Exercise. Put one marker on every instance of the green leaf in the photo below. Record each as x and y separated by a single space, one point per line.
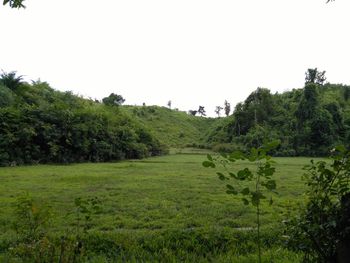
270 185
210 158
231 190
233 175
222 176
208 164
256 197
230 187
271 201
245 191
244 174
245 201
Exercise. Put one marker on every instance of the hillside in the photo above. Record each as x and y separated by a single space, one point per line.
172 127
41 125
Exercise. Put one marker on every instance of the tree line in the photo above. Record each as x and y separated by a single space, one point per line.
308 121
41 125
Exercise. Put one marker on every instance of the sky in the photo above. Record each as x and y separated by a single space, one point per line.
192 52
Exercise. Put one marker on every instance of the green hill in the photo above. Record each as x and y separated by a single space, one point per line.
172 127
42 125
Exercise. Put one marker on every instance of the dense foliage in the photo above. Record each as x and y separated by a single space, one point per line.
308 121
322 229
41 125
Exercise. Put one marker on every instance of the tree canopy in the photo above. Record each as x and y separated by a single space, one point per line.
14 3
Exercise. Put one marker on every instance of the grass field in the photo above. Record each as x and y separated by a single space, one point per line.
165 208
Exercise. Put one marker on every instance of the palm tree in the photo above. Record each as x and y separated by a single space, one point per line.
10 80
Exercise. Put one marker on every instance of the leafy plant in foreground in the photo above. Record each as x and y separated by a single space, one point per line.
322 230
261 179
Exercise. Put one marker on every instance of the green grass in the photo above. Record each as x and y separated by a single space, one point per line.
172 127
154 199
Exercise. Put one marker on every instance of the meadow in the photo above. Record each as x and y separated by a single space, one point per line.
160 209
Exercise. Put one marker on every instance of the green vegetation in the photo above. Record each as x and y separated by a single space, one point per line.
169 208
41 125
260 179
322 230
173 128
308 121
158 209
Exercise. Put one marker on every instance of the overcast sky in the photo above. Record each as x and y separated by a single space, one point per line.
192 52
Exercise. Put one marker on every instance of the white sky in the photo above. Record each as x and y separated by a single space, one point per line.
192 52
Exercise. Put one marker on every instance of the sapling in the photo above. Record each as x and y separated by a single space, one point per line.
260 179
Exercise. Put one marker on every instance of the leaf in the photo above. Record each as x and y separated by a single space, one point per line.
233 175
245 201
208 164
256 197
244 174
231 190
245 191
210 158
230 187
270 185
222 176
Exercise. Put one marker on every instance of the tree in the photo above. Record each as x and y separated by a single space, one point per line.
201 111
14 3
113 100
218 109
227 108
169 104
192 112
257 182
315 76
10 80
308 104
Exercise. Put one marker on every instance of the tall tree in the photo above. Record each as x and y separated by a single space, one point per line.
312 75
201 111
113 100
10 80
308 104
227 108
218 110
